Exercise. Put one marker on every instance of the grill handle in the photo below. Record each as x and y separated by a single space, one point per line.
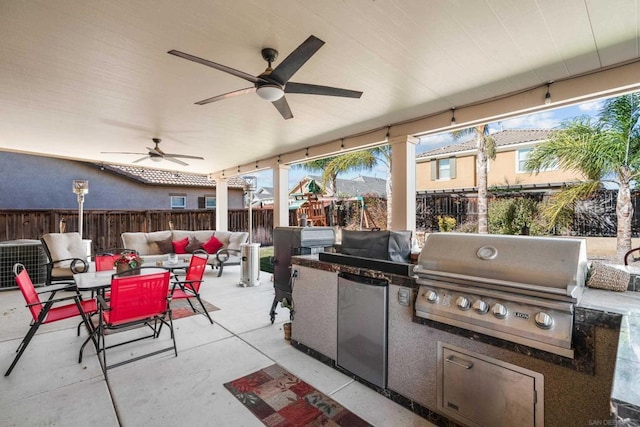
479 279
452 359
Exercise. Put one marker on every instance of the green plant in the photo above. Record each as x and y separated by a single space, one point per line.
446 223
266 259
513 216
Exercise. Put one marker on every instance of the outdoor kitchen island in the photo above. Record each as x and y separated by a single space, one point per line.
603 373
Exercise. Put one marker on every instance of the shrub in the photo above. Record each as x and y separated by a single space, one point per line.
514 216
446 223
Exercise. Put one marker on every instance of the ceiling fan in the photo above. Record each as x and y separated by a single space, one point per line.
157 155
273 83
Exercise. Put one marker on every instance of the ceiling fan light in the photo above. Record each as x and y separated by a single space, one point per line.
156 158
270 92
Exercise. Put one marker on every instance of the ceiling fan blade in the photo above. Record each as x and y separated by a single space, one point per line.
283 108
309 89
141 159
180 162
232 71
121 152
227 95
183 156
296 59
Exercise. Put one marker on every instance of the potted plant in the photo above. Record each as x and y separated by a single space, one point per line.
127 261
285 303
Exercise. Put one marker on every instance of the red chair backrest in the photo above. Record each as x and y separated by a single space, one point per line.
105 262
138 296
29 292
196 270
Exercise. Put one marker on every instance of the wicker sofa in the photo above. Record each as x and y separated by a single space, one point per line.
155 246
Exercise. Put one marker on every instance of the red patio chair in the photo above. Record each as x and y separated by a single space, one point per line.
104 260
190 286
136 299
47 311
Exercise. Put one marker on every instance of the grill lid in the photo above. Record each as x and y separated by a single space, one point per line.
553 264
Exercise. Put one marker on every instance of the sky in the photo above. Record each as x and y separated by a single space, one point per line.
544 120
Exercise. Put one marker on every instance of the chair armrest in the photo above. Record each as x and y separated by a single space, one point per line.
628 257
74 264
102 303
71 297
223 254
59 287
181 284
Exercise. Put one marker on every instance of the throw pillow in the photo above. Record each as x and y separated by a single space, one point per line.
165 246
180 246
193 245
603 276
212 245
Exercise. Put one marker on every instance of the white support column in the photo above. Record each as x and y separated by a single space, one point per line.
222 204
403 181
281 196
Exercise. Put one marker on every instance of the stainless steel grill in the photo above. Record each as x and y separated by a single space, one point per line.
518 288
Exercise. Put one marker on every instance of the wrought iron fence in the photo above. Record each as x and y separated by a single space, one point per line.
595 217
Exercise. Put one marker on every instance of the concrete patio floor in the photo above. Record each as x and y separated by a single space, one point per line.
48 386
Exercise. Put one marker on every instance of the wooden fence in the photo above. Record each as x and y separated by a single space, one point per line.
104 228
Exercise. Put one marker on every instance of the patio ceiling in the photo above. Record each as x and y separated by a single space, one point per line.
79 78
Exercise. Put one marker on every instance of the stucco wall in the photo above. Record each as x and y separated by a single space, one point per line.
36 182
502 171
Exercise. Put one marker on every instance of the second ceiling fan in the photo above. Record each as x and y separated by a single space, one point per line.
273 83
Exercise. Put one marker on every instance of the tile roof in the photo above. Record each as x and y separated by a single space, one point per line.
162 177
502 138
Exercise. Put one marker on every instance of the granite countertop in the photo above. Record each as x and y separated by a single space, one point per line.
625 390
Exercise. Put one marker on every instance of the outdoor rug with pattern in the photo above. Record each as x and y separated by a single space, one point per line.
180 308
279 398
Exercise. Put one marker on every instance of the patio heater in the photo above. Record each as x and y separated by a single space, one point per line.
80 188
250 252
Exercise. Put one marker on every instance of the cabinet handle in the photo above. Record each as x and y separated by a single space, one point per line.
468 365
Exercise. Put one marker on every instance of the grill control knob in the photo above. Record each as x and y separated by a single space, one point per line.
543 320
431 296
463 303
480 306
499 311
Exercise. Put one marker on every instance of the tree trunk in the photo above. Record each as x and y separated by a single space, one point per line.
481 165
624 213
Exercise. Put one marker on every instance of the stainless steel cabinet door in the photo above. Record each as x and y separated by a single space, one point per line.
487 394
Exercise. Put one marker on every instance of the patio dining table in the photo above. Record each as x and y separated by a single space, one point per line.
98 281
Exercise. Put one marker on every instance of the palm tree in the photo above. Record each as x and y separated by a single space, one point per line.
355 161
486 149
320 165
604 151
350 162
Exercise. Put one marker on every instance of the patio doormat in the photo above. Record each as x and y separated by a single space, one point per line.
180 308
279 398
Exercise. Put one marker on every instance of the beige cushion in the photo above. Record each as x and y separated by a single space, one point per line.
200 235
65 246
232 239
144 243
236 239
